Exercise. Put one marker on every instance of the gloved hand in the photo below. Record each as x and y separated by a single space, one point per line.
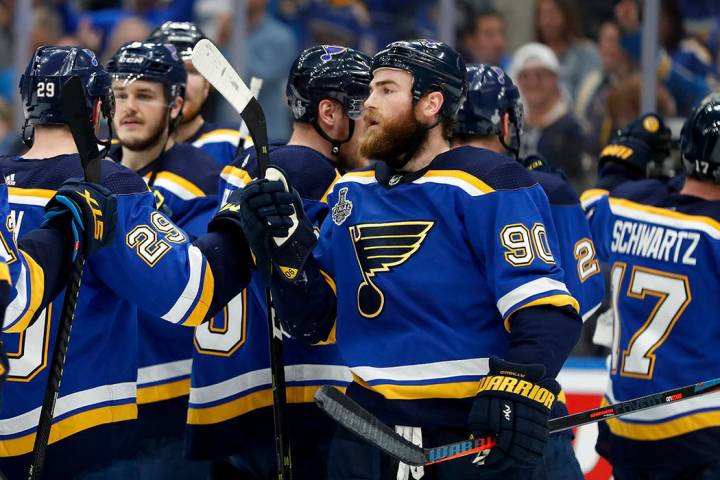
540 163
640 146
89 209
272 216
514 404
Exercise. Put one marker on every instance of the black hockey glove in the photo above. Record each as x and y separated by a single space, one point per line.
641 147
275 224
514 404
88 209
540 163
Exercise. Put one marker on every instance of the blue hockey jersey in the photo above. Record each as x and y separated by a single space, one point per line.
230 399
149 254
576 247
662 248
429 269
184 181
219 140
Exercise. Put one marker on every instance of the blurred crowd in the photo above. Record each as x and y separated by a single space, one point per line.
577 63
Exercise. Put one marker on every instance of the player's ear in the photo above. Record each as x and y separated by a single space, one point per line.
431 104
329 113
176 107
95 116
505 125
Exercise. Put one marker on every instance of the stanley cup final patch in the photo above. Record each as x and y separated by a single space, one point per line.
343 208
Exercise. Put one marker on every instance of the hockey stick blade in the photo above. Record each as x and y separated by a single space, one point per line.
212 65
362 423
78 118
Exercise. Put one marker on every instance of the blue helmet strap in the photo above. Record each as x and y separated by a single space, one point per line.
336 144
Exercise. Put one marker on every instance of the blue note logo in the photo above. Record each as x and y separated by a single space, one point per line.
381 247
331 51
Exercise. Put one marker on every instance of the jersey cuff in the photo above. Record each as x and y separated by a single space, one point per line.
590 197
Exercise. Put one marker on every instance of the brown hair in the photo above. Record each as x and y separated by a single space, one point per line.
573 24
623 101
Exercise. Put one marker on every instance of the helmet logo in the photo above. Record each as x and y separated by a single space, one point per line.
331 51
501 75
173 51
298 109
651 124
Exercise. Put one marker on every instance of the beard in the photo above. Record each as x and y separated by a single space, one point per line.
394 139
153 136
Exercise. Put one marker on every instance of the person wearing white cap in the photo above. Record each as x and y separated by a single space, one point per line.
551 129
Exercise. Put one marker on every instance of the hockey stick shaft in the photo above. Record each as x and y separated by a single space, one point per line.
255 86
362 423
211 64
73 105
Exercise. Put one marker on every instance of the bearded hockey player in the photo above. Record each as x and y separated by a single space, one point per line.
150 264
219 140
436 270
228 415
660 239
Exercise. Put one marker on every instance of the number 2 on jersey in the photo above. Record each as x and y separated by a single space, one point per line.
672 296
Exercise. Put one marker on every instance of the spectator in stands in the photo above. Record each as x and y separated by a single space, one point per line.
623 102
483 37
126 30
591 100
550 128
271 49
557 25
684 64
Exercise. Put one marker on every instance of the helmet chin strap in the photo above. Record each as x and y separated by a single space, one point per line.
336 144
514 149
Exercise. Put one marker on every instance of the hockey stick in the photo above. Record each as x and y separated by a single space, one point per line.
255 86
73 106
362 423
212 65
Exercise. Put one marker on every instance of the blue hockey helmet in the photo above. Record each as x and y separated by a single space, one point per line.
182 35
328 71
154 62
42 83
699 145
491 93
434 66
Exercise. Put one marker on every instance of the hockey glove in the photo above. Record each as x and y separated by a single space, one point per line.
88 209
514 404
641 147
275 224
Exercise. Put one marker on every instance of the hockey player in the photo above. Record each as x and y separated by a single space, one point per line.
232 417
435 269
660 239
149 82
150 265
491 118
218 140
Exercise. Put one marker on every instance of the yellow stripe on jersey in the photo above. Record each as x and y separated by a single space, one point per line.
70 426
4 272
460 175
592 193
329 189
166 391
329 280
249 403
236 173
36 286
179 181
203 305
364 173
664 430
559 300
419 392
31 192
664 212
218 133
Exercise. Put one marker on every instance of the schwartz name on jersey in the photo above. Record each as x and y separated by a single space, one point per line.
231 397
442 259
662 249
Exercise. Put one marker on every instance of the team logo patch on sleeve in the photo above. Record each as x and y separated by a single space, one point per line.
343 208
379 247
